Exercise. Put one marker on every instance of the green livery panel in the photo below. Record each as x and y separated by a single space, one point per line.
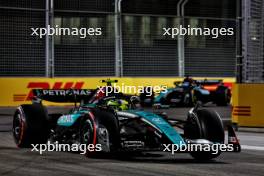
162 125
68 120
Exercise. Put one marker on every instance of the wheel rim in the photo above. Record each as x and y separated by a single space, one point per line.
186 99
86 132
17 126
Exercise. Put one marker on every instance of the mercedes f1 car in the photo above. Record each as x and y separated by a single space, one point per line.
188 93
115 129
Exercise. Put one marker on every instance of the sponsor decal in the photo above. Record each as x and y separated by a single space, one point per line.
65 119
158 120
19 97
46 85
66 92
241 111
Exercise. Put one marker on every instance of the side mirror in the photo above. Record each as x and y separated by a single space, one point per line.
176 83
134 99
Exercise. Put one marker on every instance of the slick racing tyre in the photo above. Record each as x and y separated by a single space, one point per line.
30 125
187 100
100 127
207 125
108 120
222 96
88 132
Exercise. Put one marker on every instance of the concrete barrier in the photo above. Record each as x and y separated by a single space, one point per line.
16 91
248 106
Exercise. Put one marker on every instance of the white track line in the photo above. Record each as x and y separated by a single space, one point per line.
250 147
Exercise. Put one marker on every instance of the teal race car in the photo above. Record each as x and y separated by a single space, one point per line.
117 124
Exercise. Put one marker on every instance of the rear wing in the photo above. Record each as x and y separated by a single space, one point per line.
63 95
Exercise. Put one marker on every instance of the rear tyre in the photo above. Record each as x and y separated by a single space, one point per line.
223 96
207 125
187 99
30 125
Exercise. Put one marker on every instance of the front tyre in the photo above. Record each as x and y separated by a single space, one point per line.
100 128
108 126
207 125
88 133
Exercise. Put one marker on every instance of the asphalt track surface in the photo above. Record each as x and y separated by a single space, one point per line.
14 161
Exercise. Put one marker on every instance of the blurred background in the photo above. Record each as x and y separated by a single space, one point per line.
132 43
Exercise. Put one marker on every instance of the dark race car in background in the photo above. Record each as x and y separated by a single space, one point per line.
189 93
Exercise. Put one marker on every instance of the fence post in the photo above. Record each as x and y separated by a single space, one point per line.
47 41
239 55
52 39
118 40
181 57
